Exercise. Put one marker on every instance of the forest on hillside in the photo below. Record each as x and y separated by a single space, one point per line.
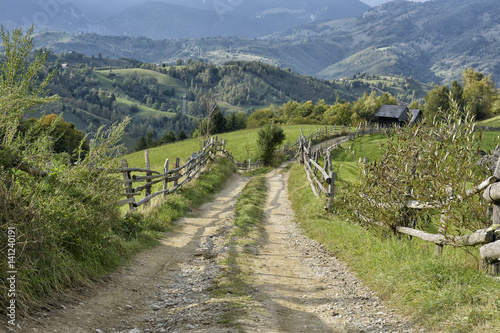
165 102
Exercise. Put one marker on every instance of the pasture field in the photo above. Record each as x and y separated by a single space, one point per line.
242 144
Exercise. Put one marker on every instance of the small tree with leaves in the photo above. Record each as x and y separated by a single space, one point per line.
426 162
210 104
269 138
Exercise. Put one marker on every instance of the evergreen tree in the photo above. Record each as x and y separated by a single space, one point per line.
169 137
182 136
141 144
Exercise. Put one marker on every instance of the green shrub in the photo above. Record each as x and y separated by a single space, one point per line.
269 138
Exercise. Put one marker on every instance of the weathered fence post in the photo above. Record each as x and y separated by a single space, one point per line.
315 158
165 179
148 181
331 186
490 253
128 185
176 175
331 190
443 227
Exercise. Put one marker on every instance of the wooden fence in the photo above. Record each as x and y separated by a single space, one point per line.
137 180
322 179
247 165
489 129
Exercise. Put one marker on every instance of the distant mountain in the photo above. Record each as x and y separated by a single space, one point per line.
45 15
178 19
432 41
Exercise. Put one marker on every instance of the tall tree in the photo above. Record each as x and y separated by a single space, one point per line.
438 99
479 93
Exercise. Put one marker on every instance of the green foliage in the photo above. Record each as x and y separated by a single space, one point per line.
478 94
423 163
66 138
261 117
66 217
340 113
270 137
368 105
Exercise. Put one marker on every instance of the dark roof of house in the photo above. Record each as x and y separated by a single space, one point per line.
399 112
415 113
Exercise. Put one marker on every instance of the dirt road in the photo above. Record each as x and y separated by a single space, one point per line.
298 285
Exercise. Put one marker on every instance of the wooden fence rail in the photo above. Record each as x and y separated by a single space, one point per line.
178 176
247 165
489 238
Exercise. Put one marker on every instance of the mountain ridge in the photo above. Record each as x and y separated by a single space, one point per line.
432 41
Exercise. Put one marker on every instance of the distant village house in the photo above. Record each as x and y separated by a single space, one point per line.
400 115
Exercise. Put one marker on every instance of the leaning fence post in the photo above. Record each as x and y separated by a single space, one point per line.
128 185
165 178
443 227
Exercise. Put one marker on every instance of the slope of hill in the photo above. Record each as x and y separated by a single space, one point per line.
45 15
96 91
158 19
434 40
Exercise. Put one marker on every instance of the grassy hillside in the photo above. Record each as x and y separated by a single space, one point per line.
160 99
242 144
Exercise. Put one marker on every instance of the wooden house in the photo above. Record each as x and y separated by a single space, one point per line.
390 115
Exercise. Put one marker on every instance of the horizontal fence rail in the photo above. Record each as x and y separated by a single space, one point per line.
247 165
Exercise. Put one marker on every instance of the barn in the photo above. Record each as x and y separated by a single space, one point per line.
390 115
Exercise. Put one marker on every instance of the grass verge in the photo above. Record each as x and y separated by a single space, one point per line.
440 293
233 284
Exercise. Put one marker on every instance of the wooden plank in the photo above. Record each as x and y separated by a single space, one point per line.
128 186
326 177
143 178
122 169
145 186
125 202
492 193
479 188
310 181
490 252
479 237
315 180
